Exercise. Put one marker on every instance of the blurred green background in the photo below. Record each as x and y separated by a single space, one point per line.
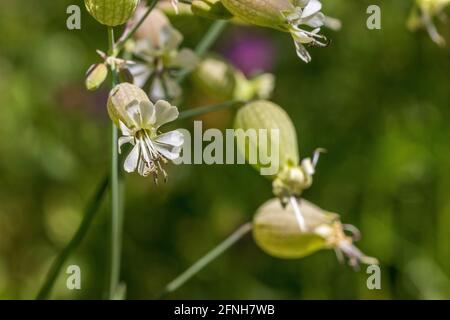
378 101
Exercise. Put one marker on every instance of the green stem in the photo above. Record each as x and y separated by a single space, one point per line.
206 43
210 37
121 43
195 112
116 212
207 259
79 235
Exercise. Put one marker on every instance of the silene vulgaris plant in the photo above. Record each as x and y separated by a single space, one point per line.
147 65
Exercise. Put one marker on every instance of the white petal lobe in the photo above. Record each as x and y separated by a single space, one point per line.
132 159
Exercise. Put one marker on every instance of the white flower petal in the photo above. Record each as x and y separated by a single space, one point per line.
169 152
173 88
164 113
141 73
147 111
315 21
124 140
133 112
144 152
172 138
313 7
132 159
124 129
157 89
301 51
170 38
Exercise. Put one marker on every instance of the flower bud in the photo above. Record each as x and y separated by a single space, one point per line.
211 9
276 232
111 12
96 75
264 114
216 77
292 177
120 97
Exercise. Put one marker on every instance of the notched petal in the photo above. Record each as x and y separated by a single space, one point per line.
165 113
173 138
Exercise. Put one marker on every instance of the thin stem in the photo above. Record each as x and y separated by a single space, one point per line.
116 212
121 43
195 112
206 43
58 263
207 259
210 37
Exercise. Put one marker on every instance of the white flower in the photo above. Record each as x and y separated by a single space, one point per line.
160 60
150 148
423 15
307 12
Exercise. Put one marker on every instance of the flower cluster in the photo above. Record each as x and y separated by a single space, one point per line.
286 227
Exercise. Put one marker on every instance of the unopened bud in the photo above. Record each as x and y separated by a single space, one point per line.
216 77
267 115
95 76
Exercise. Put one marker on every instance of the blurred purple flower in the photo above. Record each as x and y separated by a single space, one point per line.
251 52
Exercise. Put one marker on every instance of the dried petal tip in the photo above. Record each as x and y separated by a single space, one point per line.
111 12
276 231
